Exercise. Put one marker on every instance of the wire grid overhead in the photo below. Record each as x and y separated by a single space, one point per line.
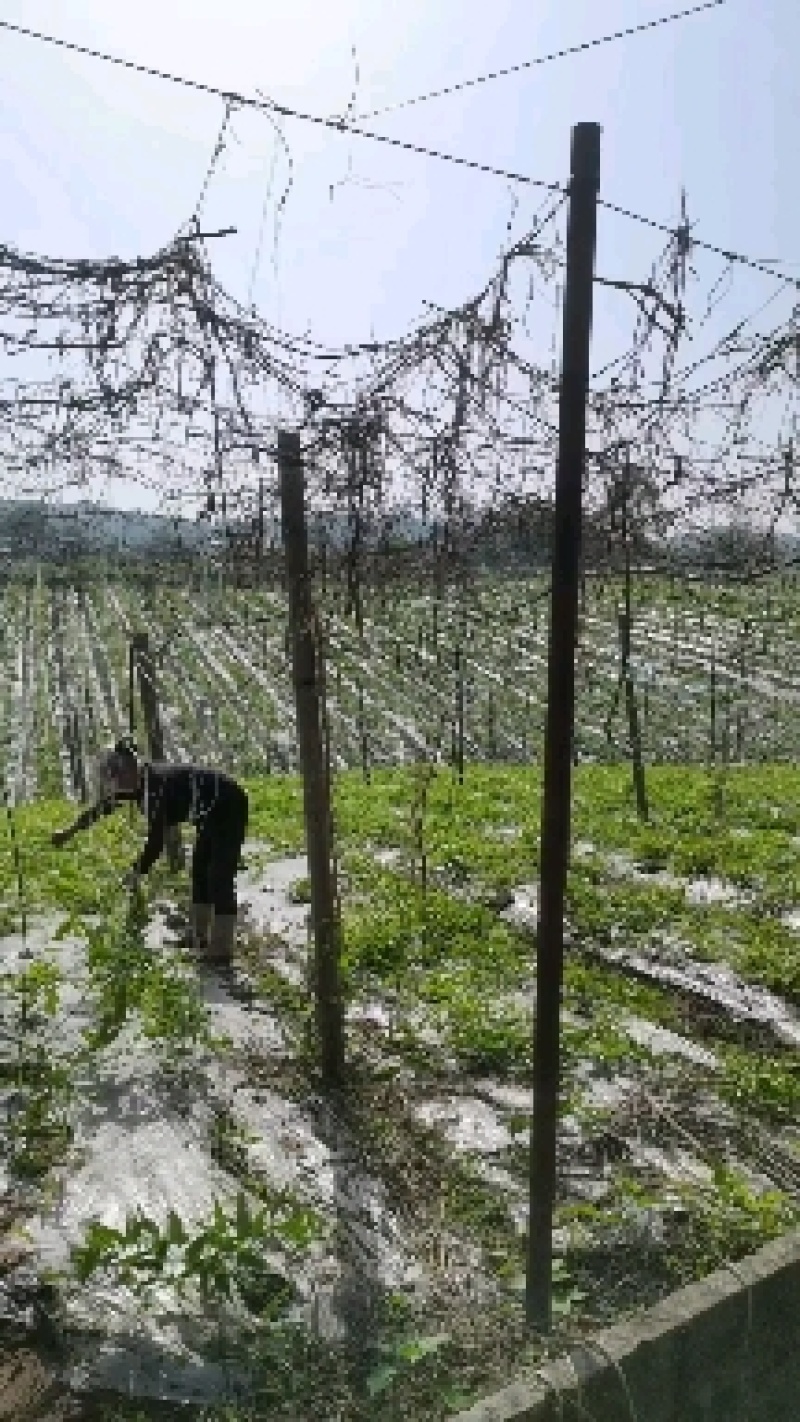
149 371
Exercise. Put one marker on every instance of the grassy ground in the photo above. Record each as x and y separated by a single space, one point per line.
428 869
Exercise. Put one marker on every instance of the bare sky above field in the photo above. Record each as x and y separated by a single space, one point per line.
100 162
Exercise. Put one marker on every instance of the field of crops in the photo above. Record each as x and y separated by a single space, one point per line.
212 1230
716 671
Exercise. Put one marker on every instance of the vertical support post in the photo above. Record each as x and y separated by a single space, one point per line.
632 710
143 662
712 689
307 676
260 573
363 737
459 719
131 691
144 665
77 757
625 621
742 709
559 732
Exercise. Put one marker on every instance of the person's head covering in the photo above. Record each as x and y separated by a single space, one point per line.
110 765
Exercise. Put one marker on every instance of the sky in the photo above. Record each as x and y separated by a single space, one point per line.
97 162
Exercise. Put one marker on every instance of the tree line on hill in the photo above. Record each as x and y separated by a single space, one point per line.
514 535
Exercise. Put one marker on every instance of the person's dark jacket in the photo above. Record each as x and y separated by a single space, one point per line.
174 795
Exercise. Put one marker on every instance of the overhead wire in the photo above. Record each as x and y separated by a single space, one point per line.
342 127
528 64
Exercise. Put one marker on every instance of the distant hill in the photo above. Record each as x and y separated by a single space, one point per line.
29 529
735 548
511 536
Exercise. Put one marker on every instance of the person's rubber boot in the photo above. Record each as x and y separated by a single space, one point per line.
201 920
222 942
223 933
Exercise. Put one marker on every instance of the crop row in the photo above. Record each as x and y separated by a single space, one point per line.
463 676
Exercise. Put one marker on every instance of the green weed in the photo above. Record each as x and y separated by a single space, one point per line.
223 1257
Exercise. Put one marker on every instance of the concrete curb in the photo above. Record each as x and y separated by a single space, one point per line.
726 1349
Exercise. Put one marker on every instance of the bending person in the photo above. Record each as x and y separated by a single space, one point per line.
171 795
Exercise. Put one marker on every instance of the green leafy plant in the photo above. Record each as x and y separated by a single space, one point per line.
36 987
300 892
488 1037
39 1130
222 1258
171 1009
400 1355
732 1220
768 1085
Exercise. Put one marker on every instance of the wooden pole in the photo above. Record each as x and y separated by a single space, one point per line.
632 709
144 663
260 530
77 764
145 672
363 737
625 621
459 721
131 691
307 676
79 736
559 731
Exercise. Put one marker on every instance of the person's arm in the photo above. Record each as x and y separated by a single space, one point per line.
154 844
84 821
